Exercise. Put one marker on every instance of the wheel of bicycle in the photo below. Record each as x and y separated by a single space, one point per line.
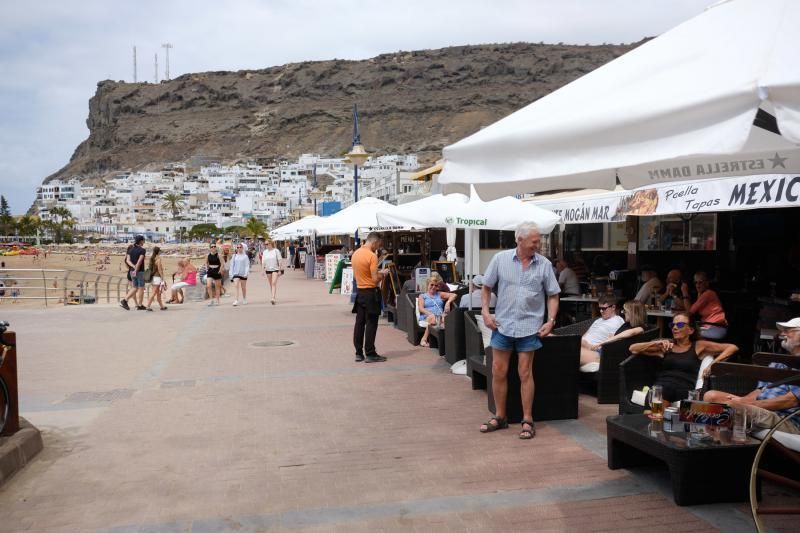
758 511
5 404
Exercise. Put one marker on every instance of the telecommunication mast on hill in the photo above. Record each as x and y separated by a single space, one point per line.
134 64
155 70
166 46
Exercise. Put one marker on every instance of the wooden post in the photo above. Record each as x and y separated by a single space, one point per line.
8 373
632 230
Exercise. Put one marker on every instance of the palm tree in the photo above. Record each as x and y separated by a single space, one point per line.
255 228
65 221
174 203
27 225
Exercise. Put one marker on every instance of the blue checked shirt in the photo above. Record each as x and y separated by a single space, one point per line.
769 392
521 294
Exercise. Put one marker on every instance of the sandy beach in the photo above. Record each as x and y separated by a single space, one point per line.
100 267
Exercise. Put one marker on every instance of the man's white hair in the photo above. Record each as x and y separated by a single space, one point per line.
525 229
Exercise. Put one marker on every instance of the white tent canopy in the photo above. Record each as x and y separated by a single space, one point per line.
360 215
458 211
679 107
299 228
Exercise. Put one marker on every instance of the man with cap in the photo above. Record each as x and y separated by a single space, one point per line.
767 404
651 285
473 300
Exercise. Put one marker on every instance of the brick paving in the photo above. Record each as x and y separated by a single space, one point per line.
175 421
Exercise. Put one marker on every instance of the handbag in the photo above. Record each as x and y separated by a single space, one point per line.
148 275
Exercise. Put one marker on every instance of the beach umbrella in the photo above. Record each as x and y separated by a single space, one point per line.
360 215
717 96
299 228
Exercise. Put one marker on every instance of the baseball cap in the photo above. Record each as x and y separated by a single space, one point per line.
478 281
793 323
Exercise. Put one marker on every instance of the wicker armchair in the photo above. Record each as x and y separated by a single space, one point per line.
555 370
413 330
741 379
613 354
635 373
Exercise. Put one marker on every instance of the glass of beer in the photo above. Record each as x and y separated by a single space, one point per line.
656 402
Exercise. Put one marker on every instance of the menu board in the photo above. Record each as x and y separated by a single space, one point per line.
331 261
347 281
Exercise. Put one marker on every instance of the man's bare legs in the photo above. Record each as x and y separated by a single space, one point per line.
525 369
500 359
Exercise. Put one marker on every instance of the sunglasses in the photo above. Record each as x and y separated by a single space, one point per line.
679 325
603 308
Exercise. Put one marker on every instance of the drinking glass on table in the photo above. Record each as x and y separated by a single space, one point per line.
655 394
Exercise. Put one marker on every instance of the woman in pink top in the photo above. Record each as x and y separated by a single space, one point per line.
187 277
713 324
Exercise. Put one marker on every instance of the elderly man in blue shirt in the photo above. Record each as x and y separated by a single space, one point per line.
768 403
524 281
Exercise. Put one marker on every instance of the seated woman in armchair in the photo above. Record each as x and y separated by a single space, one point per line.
433 304
681 357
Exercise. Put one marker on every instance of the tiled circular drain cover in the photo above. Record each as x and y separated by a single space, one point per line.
272 344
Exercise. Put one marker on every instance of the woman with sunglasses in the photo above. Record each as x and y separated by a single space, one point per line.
681 357
214 267
238 270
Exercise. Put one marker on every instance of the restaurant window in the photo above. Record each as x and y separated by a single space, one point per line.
678 232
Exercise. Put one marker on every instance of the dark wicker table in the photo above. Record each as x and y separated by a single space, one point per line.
704 472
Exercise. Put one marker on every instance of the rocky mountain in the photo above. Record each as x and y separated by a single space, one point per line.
408 102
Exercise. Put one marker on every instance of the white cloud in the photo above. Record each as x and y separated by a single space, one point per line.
53 53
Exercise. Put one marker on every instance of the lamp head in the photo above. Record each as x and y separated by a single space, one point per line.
357 156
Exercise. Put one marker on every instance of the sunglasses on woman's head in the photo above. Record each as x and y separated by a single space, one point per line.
679 325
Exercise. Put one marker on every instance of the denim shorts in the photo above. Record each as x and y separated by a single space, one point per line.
522 344
138 280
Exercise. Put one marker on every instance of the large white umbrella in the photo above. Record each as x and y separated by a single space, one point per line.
471 214
299 228
679 107
458 211
360 215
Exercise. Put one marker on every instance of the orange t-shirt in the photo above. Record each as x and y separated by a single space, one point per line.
364 261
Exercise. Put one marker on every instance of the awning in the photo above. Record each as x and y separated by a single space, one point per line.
422 174
687 197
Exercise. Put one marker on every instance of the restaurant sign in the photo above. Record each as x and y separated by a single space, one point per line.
725 194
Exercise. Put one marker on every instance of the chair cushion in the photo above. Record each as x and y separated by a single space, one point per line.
486 333
591 367
790 440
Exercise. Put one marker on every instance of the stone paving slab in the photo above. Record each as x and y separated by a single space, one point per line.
174 421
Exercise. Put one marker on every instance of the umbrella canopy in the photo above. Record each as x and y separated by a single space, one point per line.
717 96
360 215
456 210
299 228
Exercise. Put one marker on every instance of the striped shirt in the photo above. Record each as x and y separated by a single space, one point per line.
521 294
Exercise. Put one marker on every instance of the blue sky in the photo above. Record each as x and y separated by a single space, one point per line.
53 52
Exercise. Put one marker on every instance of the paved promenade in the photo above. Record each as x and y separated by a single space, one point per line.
178 421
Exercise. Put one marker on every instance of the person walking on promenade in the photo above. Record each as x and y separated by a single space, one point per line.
367 306
524 280
238 271
156 280
271 264
135 262
292 251
214 267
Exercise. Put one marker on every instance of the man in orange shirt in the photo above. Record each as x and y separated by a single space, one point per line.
368 299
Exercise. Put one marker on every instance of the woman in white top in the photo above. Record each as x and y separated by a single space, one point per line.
238 270
271 263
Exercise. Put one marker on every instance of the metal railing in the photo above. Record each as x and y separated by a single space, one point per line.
60 286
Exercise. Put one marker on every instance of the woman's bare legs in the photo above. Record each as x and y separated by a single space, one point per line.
243 285
272 277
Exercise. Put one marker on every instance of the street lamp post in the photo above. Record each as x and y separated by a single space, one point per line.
357 156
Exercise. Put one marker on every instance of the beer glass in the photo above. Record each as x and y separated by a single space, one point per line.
740 420
656 402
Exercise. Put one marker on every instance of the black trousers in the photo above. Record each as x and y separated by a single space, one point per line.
367 309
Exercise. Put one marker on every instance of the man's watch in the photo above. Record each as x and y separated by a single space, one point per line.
553 321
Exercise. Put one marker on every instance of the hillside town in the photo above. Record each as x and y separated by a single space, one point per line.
164 204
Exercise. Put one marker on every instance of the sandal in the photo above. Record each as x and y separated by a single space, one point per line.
526 434
500 423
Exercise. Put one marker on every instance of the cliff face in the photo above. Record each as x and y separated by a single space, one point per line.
408 102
